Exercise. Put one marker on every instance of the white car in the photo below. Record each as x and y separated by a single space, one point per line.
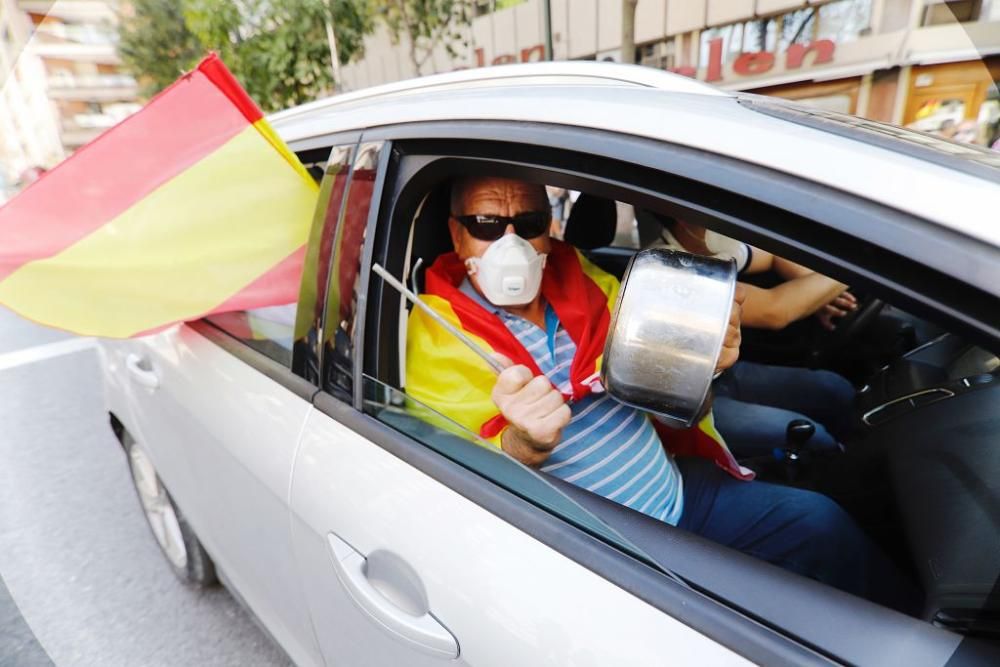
360 534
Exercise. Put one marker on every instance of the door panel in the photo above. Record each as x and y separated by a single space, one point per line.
223 436
507 598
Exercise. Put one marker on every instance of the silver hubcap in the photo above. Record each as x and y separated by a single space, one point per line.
158 508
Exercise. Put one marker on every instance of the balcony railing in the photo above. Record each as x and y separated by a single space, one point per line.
96 88
71 81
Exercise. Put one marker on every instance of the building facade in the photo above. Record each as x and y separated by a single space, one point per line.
62 80
929 64
29 128
76 40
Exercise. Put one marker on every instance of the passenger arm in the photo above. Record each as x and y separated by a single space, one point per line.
760 260
789 270
790 301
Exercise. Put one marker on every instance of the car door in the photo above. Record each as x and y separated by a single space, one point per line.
220 412
400 567
412 540
222 436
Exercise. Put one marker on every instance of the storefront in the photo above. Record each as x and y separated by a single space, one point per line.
906 62
840 95
957 100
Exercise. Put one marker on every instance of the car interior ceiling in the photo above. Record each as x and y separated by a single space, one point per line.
921 470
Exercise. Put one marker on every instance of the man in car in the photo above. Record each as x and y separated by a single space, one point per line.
542 308
756 402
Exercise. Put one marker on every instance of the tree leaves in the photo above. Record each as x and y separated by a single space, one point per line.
277 49
427 24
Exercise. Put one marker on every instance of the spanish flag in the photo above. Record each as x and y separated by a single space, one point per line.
189 207
446 376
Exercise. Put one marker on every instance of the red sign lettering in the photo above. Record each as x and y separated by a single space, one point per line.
714 72
686 71
749 64
533 54
797 53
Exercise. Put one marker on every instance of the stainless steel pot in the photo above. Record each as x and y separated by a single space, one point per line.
667 331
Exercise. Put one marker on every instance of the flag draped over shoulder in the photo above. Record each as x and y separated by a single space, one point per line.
443 374
189 207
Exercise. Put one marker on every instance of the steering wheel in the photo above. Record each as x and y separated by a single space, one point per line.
852 324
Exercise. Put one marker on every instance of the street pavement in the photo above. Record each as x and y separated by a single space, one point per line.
82 581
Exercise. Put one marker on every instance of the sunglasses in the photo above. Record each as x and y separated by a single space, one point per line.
528 225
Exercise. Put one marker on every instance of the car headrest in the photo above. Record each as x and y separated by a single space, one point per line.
592 222
430 232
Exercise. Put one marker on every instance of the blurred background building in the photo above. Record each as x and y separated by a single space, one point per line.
62 82
930 64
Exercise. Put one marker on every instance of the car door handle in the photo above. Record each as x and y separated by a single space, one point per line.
414 624
146 377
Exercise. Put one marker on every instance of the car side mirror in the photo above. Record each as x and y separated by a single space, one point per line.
666 332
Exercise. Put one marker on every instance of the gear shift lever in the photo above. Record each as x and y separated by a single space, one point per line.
797 434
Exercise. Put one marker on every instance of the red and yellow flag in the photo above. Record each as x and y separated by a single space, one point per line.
189 207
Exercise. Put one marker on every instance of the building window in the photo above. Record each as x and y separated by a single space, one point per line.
841 21
798 27
845 21
658 54
939 12
737 38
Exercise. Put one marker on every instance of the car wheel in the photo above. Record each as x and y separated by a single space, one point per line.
179 544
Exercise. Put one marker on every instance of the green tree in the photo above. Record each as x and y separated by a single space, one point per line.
427 24
155 43
278 49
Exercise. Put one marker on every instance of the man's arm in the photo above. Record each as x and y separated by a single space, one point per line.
840 305
762 260
789 270
779 306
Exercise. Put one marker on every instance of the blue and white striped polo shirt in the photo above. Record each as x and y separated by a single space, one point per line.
607 447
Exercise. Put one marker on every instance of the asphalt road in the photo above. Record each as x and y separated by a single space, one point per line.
83 581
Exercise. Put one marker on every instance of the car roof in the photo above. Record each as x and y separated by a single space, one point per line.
659 105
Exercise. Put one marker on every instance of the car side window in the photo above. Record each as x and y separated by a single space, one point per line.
269 330
442 435
340 313
315 273
425 233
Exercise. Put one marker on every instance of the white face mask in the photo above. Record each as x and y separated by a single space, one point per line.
510 271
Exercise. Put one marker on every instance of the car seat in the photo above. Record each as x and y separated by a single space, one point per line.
429 233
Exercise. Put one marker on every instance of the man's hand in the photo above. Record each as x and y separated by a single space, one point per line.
840 306
536 414
731 344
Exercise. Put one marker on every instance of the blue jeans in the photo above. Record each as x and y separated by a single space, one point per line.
799 530
755 402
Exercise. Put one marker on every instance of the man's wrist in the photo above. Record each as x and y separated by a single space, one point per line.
519 446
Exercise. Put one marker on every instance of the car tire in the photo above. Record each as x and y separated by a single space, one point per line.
175 537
